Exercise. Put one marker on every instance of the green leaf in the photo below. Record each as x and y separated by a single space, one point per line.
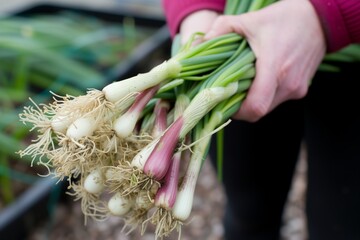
220 153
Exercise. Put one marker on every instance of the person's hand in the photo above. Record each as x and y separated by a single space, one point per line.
289 44
199 21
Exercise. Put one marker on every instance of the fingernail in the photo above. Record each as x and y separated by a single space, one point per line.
209 35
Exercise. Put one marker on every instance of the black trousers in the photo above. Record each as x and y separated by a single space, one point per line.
260 159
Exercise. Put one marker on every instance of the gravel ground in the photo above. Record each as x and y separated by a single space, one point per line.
205 223
294 216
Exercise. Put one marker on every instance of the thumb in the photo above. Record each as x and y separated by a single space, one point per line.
226 24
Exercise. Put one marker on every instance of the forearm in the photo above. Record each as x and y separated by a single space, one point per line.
176 10
340 20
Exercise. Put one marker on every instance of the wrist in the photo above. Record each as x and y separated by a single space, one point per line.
333 22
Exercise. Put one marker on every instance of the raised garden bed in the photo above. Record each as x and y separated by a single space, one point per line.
36 198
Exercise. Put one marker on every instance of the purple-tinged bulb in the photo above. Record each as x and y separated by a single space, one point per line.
159 160
166 195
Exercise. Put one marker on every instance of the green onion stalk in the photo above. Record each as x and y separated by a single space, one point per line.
174 205
158 163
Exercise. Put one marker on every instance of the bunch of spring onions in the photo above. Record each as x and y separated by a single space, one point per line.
135 148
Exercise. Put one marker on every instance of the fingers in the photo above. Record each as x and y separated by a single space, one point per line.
261 93
225 24
263 89
294 87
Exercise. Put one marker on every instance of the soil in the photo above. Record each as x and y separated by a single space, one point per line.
205 223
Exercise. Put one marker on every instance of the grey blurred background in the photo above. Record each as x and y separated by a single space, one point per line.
143 6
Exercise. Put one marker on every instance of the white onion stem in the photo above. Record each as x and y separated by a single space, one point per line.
81 127
125 124
118 90
185 196
119 205
94 182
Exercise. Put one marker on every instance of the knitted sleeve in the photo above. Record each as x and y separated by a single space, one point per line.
340 20
176 10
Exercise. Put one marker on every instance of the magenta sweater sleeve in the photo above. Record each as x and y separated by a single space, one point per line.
177 10
340 20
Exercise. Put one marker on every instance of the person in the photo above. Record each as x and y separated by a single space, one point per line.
282 110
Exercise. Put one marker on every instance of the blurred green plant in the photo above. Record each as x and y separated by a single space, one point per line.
65 53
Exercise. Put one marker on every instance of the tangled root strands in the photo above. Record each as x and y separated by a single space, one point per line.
129 147
139 181
118 177
84 103
70 164
84 148
134 219
36 116
165 223
42 146
96 105
144 202
91 204
44 142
